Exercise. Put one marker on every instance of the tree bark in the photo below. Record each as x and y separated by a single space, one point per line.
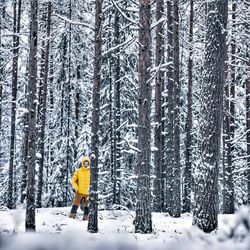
77 108
143 220
117 115
206 197
68 92
189 120
44 109
228 198
16 31
176 205
31 159
93 197
248 122
247 5
2 8
170 107
159 81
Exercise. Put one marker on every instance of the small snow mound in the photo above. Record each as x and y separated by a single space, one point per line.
4 209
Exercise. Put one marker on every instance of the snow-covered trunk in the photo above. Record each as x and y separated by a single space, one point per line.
24 155
16 31
31 159
206 197
176 183
93 197
69 91
143 221
44 109
63 121
170 107
187 178
24 145
228 189
248 124
77 108
159 81
117 115
2 8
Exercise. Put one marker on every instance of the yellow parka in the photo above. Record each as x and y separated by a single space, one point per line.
81 178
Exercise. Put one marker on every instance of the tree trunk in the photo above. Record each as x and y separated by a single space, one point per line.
117 115
44 110
248 125
189 121
159 81
16 31
170 107
1 78
77 108
31 159
143 221
176 205
93 197
68 160
206 197
228 198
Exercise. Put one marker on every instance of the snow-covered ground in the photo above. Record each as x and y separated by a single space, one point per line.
116 231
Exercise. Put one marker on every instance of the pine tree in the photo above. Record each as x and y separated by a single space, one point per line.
206 197
117 114
247 28
176 184
159 86
189 120
32 133
16 31
170 110
93 197
143 220
228 197
44 109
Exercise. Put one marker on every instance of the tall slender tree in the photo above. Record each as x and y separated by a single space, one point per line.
31 159
189 120
68 99
206 197
159 82
248 125
44 108
176 205
93 197
117 116
247 5
170 110
143 221
16 31
2 9
228 197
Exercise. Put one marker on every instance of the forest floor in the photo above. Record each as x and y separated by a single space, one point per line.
116 231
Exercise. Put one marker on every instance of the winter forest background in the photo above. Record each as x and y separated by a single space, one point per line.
156 92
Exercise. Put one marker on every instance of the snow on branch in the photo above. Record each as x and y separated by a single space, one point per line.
124 44
123 14
131 146
74 22
163 19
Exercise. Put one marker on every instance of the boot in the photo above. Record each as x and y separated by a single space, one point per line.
71 215
86 213
73 212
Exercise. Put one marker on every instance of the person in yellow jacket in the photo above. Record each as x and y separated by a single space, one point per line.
81 182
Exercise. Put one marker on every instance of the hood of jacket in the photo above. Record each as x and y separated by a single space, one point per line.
85 158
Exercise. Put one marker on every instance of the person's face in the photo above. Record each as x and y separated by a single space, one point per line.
86 164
